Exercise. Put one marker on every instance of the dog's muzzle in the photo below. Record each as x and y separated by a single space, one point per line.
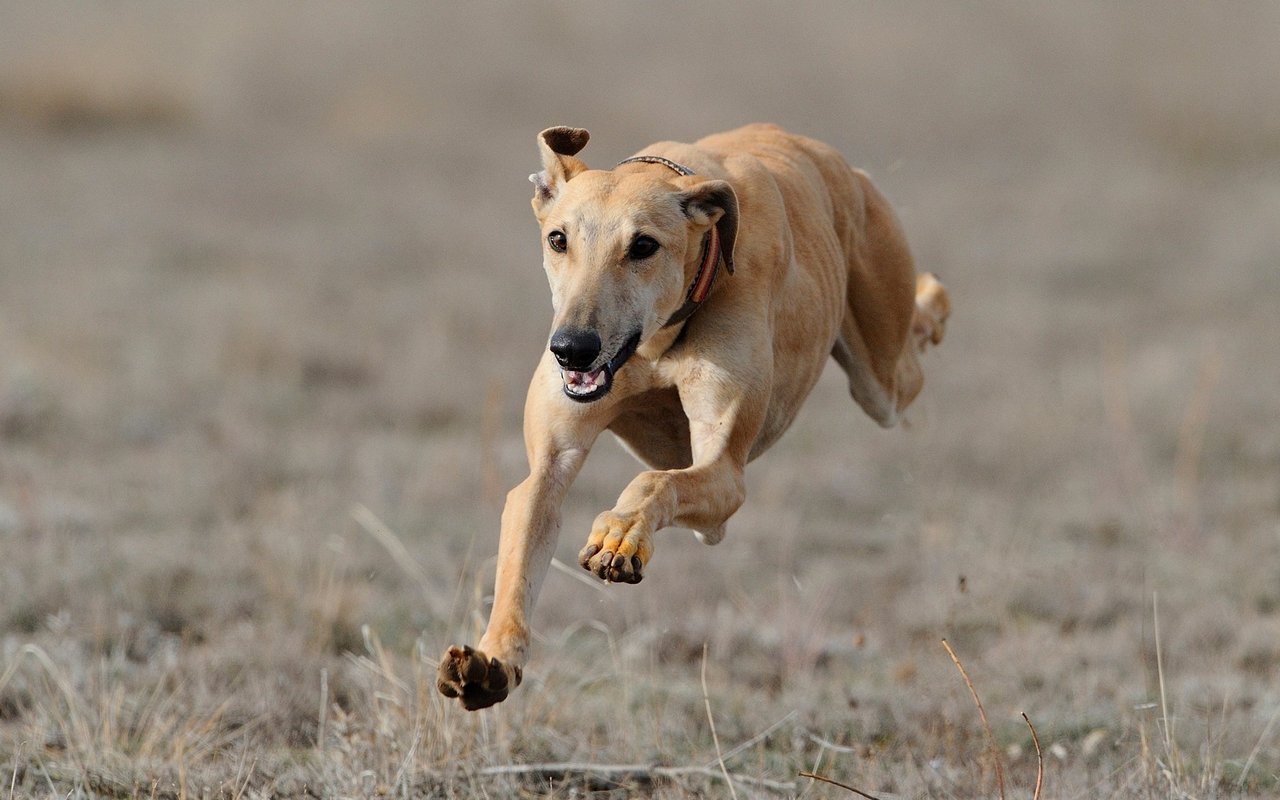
585 386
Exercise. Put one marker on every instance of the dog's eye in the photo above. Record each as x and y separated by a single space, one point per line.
558 241
643 247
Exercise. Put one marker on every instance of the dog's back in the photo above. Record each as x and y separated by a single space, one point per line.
874 308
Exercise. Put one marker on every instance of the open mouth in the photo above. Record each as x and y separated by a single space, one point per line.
586 387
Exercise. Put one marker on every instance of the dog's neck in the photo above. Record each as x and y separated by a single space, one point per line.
708 263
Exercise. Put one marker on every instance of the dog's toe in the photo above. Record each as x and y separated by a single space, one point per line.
601 565
626 569
584 556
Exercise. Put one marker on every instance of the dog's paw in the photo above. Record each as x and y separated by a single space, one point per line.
478 681
933 307
619 547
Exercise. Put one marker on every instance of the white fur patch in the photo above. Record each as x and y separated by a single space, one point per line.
542 181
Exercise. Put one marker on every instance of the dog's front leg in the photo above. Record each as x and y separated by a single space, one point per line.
557 447
703 496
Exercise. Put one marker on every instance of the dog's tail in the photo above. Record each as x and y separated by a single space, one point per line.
933 306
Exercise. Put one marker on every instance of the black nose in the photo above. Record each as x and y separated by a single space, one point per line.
575 348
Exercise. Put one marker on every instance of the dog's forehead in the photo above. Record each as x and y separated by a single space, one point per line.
628 200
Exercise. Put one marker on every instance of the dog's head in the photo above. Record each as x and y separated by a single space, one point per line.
620 251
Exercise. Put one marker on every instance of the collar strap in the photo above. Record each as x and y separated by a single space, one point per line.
709 263
666 162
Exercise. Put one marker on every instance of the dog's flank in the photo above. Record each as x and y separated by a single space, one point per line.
695 374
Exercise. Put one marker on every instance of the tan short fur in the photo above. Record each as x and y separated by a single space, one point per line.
822 267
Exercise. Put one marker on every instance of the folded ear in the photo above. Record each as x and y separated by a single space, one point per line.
714 203
557 146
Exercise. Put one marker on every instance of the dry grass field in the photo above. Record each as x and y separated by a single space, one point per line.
270 293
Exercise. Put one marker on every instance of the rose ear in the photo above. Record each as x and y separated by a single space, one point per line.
563 141
714 203
557 147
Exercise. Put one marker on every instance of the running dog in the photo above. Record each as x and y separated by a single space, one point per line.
697 291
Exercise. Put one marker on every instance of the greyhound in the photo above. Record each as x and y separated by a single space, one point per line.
697 291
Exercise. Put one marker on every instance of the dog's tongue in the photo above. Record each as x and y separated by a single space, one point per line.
584 382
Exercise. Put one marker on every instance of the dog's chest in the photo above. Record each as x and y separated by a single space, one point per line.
654 427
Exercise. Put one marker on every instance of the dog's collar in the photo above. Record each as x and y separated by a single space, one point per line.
666 162
711 260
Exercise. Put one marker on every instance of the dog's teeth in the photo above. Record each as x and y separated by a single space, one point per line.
582 384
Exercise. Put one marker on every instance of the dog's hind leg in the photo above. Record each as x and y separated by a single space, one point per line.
885 403
891 317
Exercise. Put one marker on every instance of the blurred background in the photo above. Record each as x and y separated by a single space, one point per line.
264 264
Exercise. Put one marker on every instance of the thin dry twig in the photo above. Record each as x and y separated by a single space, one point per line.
982 714
636 772
579 576
1039 757
324 709
759 737
706 699
858 792
826 744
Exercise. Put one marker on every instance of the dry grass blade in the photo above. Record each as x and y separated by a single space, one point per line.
324 709
1039 757
982 714
388 539
1190 443
759 737
243 785
858 792
1170 745
54 674
406 763
13 779
706 699
1253 754
579 576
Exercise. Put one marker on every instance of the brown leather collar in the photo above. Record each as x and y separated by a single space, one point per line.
711 260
